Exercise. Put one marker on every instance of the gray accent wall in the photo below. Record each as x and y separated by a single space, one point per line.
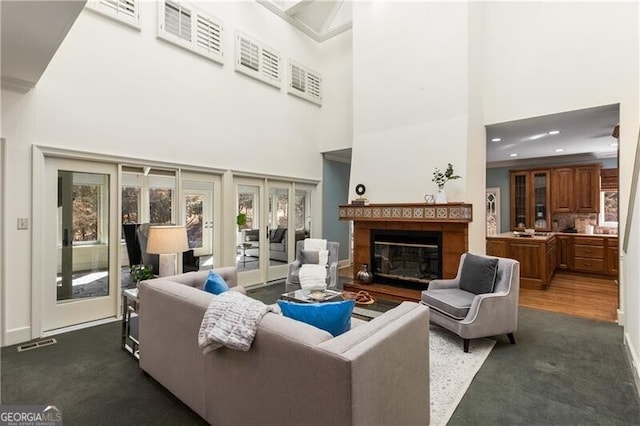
335 191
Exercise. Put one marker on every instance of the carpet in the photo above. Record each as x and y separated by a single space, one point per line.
451 369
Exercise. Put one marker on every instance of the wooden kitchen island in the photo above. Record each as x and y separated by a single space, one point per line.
536 254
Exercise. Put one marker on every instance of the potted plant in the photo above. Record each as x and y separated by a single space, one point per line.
141 272
440 178
241 220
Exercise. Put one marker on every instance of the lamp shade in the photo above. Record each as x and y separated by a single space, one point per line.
167 239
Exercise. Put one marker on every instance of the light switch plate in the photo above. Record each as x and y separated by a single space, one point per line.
23 223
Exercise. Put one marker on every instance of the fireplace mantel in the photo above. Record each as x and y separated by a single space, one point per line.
418 212
451 220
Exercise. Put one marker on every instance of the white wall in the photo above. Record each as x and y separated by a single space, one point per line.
549 57
410 93
336 130
113 90
127 92
18 127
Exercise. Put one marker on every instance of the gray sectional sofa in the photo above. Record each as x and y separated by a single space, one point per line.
294 374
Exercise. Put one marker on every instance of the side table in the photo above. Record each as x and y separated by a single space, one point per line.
130 306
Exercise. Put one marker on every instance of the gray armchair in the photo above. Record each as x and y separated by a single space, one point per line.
293 280
471 315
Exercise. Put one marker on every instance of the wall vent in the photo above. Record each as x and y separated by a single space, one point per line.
257 60
36 345
188 27
305 82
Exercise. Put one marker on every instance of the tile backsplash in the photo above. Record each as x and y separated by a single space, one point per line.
581 222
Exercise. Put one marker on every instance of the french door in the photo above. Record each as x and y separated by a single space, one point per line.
200 195
272 216
279 237
251 237
80 280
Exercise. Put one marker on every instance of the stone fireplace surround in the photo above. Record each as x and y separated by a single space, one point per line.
450 219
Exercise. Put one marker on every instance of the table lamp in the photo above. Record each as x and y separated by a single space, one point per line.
166 241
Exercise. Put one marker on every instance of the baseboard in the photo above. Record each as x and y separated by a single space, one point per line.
621 317
17 335
633 361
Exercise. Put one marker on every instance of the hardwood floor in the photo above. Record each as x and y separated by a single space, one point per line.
594 297
585 296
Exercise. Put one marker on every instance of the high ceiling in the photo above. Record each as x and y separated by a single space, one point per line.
319 19
32 31
583 133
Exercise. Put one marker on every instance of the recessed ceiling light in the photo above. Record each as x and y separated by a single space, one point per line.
559 150
614 144
513 155
496 139
554 132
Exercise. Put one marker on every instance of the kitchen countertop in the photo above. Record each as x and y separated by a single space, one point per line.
548 235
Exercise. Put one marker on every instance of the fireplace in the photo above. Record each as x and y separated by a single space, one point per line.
431 239
409 259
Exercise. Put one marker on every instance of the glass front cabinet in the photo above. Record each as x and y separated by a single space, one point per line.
530 200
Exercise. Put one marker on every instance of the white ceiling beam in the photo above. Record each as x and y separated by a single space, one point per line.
337 30
330 17
292 10
290 19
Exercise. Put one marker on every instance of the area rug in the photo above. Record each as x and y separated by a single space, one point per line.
451 369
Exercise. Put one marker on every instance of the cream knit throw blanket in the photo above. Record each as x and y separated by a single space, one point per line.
231 320
315 276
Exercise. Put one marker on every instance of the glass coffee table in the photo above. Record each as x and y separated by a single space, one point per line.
310 295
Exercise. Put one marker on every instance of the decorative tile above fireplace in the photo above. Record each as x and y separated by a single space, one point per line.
452 212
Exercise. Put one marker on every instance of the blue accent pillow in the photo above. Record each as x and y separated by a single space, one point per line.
215 284
334 317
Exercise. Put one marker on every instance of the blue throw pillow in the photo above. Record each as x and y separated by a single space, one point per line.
334 317
215 284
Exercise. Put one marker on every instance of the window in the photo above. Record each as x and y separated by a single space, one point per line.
186 26
124 11
305 83
85 213
148 195
257 60
89 208
608 209
130 205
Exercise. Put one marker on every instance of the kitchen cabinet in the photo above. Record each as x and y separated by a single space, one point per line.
562 190
551 258
612 256
530 200
564 251
595 254
537 256
587 184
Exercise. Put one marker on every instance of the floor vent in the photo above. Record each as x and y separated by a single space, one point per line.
36 345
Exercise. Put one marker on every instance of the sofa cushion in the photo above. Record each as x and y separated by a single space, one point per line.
215 284
252 235
449 301
309 256
276 235
334 317
478 274
314 257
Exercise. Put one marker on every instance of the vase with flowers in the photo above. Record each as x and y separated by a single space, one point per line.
440 178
